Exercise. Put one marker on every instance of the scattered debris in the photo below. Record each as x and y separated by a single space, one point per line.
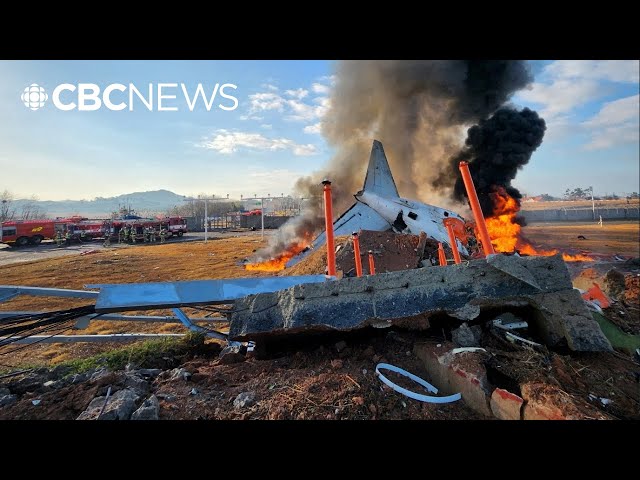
36 402
149 410
596 294
466 336
517 339
244 400
232 353
120 406
409 393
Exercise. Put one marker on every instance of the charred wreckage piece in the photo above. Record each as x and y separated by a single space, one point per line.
411 298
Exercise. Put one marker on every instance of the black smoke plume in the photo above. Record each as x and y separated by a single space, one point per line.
496 149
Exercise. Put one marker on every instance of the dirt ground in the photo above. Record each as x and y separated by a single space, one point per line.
620 203
621 238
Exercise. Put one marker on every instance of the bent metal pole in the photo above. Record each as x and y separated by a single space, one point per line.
356 254
328 225
475 208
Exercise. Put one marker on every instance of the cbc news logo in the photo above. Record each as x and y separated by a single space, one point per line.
34 97
159 97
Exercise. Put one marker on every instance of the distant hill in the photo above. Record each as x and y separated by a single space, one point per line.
155 201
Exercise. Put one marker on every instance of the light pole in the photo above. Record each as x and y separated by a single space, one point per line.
206 215
593 204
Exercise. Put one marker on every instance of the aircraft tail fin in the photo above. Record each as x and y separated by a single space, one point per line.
379 178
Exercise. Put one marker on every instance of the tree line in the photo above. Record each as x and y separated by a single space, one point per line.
28 210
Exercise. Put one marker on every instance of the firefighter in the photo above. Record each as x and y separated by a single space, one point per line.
153 234
59 238
163 233
121 235
107 239
83 236
132 235
67 238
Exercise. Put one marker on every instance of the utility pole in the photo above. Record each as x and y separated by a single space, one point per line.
262 199
206 214
593 204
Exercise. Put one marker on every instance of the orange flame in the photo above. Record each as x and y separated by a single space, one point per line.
278 263
506 233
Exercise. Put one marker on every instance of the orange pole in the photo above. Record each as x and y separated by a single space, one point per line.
475 208
372 264
328 225
356 254
441 255
454 245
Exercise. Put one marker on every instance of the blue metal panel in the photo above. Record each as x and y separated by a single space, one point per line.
140 296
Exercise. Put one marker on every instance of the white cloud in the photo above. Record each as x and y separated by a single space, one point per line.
616 123
623 71
616 112
268 86
298 93
227 142
320 88
304 112
330 79
266 126
561 96
316 128
265 101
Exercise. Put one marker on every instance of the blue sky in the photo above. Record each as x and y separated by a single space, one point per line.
273 137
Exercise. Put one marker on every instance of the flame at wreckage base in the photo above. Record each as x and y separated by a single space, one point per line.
506 233
504 230
277 263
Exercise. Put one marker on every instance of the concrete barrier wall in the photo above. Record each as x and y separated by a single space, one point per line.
248 221
581 214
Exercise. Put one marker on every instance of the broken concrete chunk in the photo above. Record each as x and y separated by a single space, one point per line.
515 269
148 410
409 298
462 373
120 406
506 405
468 312
466 336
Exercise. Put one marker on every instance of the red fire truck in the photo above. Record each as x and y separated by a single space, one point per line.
24 232
177 225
